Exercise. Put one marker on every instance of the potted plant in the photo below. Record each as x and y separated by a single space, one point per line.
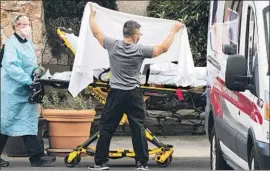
69 119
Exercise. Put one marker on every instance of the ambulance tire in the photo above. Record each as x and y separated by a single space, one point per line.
217 161
253 164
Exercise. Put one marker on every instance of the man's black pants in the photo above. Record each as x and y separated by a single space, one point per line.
32 143
119 102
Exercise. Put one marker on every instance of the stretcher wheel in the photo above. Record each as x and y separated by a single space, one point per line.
74 162
166 163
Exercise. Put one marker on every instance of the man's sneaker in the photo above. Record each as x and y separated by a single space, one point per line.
141 166
44 160
99 167
4 163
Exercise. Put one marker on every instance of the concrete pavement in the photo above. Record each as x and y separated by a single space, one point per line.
191 152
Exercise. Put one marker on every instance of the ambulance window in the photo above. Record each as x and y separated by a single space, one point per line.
250 42
267 34
234 5
232 27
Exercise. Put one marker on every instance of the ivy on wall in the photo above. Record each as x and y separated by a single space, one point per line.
194 14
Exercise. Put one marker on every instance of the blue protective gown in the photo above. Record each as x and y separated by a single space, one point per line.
18 117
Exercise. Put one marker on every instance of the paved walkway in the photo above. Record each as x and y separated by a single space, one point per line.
191 152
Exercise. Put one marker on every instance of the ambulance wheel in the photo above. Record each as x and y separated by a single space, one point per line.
74 162
253 164
217 161
166 163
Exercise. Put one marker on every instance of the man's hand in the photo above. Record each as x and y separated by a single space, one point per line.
165 45
94 27
177 26
92 12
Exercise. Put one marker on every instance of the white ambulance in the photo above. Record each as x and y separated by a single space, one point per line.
237 112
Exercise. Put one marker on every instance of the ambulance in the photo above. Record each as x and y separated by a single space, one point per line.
238 66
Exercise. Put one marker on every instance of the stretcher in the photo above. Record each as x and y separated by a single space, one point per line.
160 88
163 153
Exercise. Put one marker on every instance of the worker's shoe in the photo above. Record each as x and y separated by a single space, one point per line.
141 166
44 160
4 163
99 167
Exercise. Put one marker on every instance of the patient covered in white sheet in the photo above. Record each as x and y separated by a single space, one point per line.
160 74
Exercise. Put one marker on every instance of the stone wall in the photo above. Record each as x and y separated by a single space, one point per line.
167 117
34 10
164 123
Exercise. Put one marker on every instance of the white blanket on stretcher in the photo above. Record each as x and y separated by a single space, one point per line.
90 55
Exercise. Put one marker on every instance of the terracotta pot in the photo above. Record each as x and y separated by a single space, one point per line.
68 128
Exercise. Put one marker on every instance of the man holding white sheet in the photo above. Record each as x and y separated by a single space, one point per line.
126 58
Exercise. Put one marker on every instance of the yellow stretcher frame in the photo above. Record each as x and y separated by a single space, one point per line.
163 152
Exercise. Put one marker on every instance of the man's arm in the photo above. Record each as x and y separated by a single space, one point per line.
94 27
167 42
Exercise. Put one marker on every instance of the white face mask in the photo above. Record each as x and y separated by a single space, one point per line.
26 31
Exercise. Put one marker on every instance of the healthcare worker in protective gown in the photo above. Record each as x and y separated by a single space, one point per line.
18 117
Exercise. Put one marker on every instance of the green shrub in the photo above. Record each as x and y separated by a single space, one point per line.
62 99
194 14
66 14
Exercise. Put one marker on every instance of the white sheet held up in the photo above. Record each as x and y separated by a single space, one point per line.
90 55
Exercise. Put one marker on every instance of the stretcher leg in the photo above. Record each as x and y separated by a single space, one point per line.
163 152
